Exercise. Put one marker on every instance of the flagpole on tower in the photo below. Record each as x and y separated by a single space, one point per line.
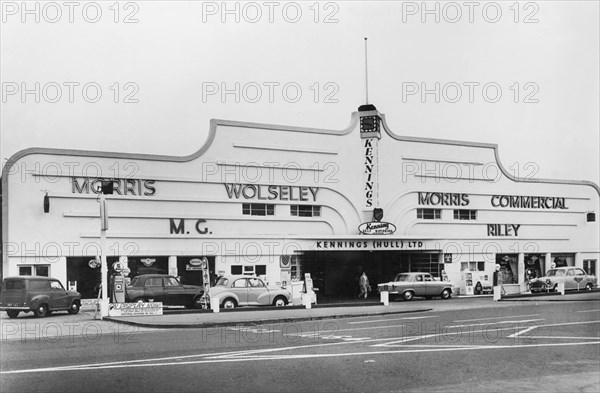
366 75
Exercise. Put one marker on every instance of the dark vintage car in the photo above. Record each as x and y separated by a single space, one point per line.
573 278
42 295
163 288
408 285
233 291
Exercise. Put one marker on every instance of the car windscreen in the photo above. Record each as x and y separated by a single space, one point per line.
222 282
135 282
402 277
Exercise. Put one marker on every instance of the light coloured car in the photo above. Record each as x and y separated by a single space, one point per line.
574 278
409 285
234 291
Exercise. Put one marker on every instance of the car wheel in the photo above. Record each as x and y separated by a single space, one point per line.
74 309
229 303
41 311
589 286
139 300
280 301
446 294
12 313
408 295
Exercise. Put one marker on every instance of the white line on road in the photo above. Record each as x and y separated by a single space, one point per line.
589 311
391 319
509 316
517 334
568 338
295 357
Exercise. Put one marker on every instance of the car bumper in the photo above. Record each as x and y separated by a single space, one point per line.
15 308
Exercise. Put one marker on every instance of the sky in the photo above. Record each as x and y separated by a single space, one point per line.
147 76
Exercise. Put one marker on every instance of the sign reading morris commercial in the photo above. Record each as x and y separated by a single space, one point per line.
504 201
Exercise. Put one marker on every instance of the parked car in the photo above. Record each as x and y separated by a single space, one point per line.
572 277
408 285
42 295
163 288
235 291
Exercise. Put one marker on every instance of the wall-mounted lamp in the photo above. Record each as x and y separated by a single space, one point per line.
46 203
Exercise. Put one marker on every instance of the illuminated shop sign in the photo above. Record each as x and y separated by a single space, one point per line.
140 187
377 228
370 171
271 192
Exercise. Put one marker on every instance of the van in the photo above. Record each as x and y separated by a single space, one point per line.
42 295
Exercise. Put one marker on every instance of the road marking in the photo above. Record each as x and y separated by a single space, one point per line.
495 323
567 338
569 323
517 334
589 311
295 357
391 319
508 316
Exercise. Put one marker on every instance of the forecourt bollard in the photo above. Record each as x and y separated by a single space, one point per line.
214 304
561 288
384 297
307 300
497 293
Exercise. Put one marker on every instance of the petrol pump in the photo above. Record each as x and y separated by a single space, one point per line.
117 283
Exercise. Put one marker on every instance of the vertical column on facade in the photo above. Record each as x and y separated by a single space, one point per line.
62 274
173 266
547 263
521 272
578 260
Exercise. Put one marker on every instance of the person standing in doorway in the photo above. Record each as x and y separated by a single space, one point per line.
363 283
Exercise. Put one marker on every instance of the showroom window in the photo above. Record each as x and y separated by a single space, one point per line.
249 270
258 209
589 265
305 210
429 214
463 214
34 270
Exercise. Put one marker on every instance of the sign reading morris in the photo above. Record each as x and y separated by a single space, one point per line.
140 187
